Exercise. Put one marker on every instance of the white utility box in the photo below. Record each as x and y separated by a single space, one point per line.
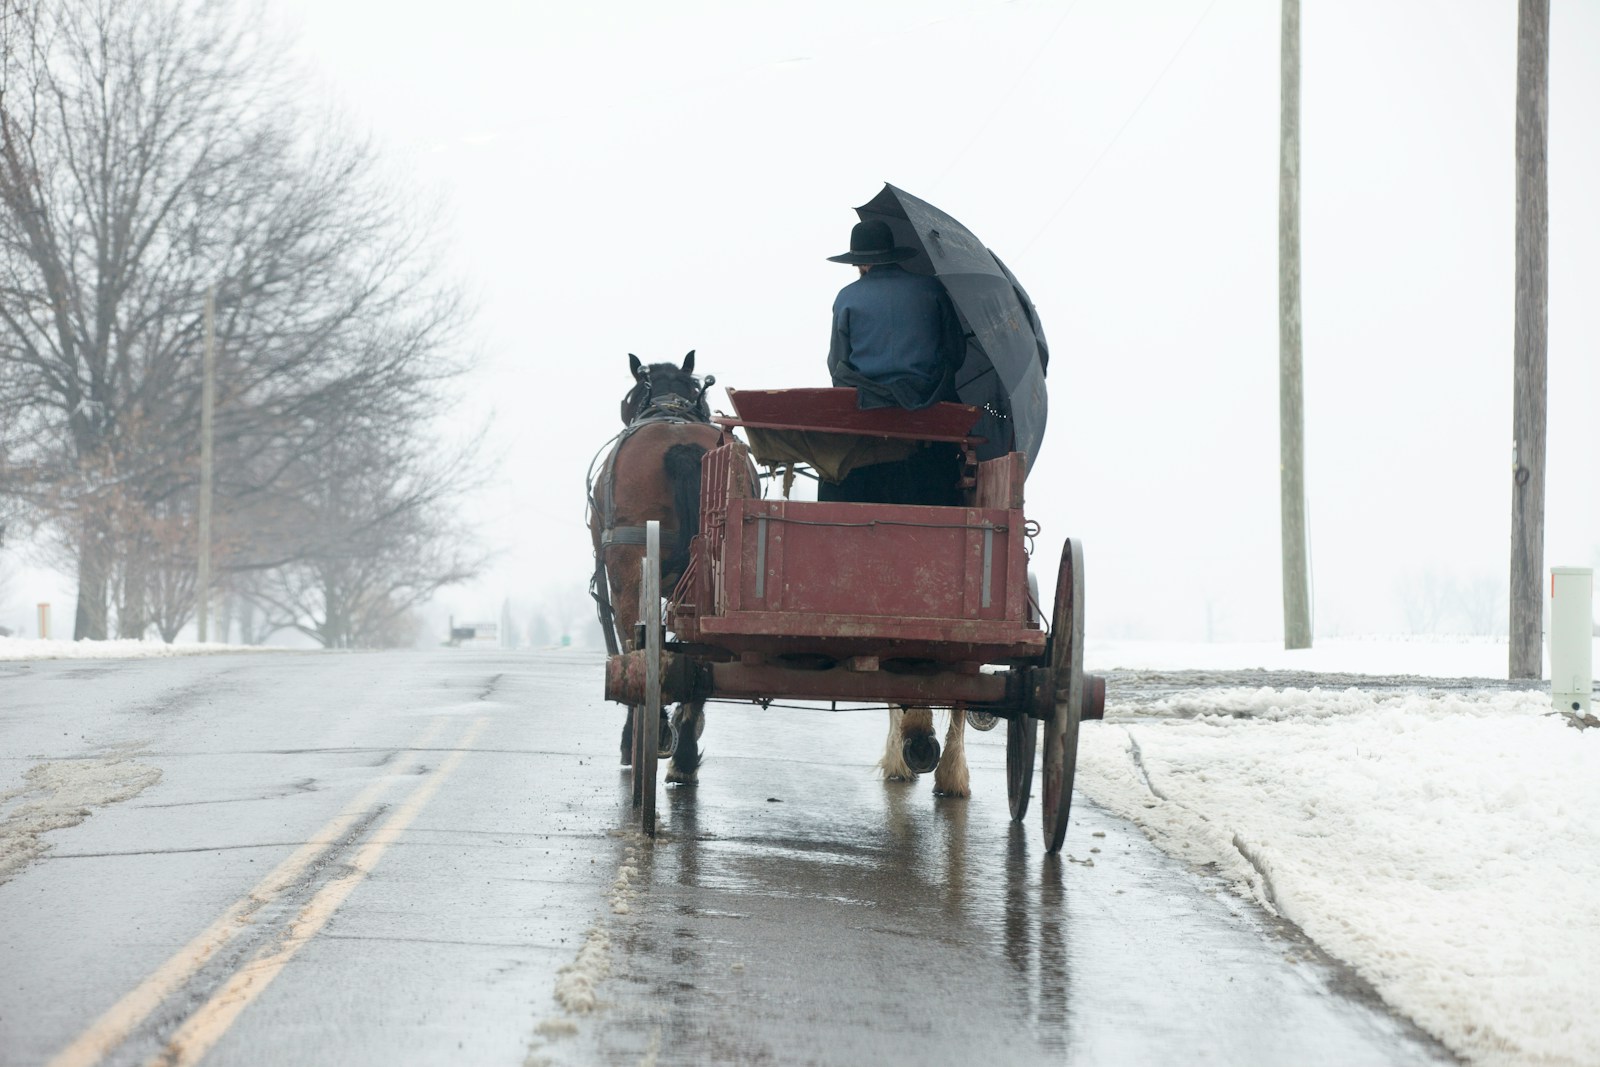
1572 639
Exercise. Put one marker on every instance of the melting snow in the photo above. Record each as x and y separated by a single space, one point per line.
59 794
575 985
1443 844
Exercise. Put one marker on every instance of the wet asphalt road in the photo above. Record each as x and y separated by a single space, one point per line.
389 859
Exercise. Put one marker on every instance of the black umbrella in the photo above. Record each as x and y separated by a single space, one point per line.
1006 352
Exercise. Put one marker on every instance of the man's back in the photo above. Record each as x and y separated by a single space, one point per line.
897 329
898 343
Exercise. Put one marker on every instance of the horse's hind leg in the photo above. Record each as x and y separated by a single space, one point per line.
893 763
950 778
663 736
689 721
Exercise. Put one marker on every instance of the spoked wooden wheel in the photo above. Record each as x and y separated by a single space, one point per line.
647 716
1022 738
1061 729
1022 733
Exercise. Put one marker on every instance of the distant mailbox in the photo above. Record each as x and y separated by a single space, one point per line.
475 633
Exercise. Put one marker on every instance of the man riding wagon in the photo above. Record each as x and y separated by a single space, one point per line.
935 316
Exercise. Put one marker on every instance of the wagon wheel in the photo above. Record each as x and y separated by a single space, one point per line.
1022 738
1022 732
647 716
1061 729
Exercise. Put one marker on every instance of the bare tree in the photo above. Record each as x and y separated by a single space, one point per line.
539 628
1425 598
1480 602
257 620
1436 601
510 633
5 570
151 148
380 536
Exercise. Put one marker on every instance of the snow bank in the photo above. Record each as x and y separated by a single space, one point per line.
16 648
1444 845
1422 655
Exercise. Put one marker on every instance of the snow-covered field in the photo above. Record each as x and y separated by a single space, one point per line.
1403 654
1445 842
15 648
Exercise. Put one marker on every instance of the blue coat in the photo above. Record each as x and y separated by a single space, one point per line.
896 338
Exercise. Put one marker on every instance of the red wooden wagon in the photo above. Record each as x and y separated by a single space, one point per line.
866 603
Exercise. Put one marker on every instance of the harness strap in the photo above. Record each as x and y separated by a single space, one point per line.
622 535
599 589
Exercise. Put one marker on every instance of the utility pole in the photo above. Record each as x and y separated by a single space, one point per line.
1291 396
1530 340
207 402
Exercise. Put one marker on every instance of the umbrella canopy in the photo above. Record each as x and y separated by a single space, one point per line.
1006 353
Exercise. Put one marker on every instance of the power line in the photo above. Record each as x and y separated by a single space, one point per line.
983 126
1126 123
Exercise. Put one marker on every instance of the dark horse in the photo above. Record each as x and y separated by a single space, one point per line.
653 472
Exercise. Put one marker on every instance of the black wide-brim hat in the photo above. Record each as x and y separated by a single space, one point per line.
871 243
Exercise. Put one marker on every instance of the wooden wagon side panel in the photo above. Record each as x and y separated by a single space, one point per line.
875 560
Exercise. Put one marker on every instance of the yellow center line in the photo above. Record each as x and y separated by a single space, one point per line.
120 1020
207 1026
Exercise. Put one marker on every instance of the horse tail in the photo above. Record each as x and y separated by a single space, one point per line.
682 464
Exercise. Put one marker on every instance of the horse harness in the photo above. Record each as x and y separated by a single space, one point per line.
646 411
671 409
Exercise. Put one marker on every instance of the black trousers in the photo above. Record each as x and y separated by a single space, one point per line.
928 477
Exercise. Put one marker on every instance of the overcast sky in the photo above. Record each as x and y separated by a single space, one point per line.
655 177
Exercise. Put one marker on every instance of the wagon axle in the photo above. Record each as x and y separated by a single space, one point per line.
1030 690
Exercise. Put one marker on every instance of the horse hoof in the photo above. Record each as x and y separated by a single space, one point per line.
921 752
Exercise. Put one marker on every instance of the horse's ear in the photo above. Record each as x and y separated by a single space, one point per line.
688 362
634 365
